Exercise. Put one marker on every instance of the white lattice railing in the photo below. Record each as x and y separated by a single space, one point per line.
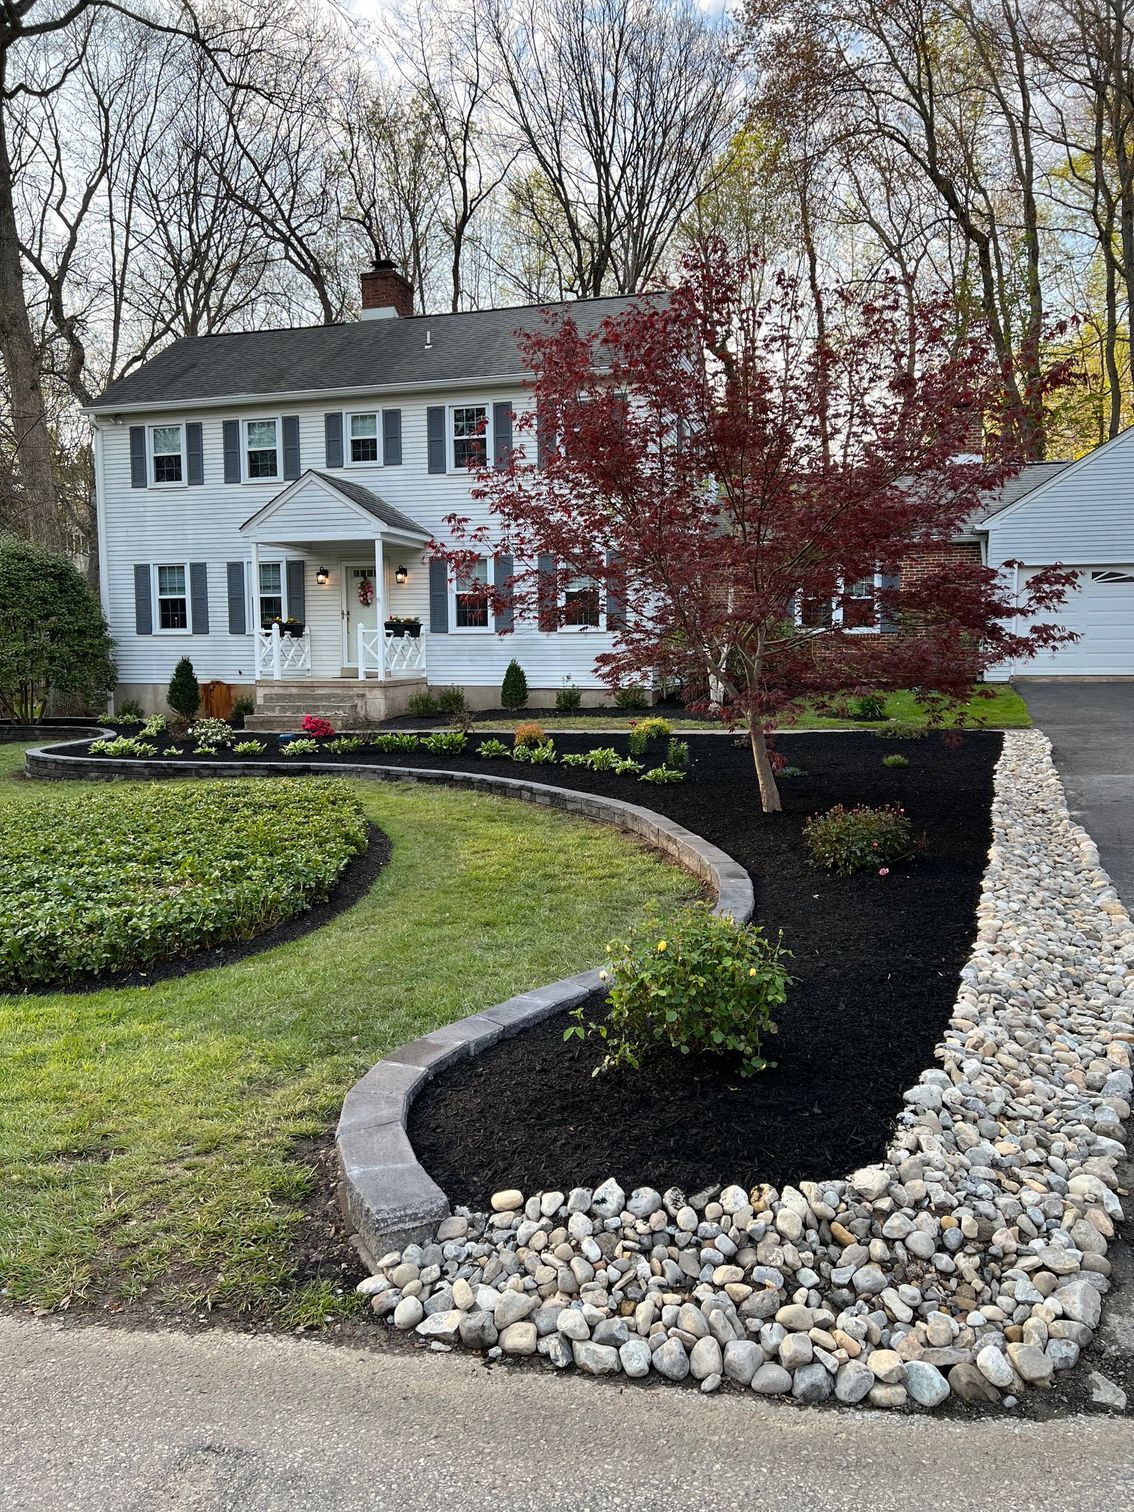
384 654
280 656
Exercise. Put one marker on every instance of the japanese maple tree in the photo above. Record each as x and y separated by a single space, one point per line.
740 493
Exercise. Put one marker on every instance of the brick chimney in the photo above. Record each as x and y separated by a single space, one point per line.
385 292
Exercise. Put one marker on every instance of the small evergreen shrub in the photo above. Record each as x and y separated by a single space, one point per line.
869 706
122 745
677 755
662 775
243 706
344 745
249 748
214 732
301 747
632 697
317 728
902 729
895 761
514 688
184 693
846 841
444 743
691 982
451 701
422 705
397 742
568 698
529 733
493 750
129 711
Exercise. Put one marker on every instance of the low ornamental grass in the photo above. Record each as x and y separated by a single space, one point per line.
124 879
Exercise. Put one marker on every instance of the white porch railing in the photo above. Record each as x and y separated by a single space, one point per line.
382 654
279 656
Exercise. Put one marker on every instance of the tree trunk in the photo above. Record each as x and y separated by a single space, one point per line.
769 792
35 463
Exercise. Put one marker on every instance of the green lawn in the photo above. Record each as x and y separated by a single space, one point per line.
149 1136
1004 710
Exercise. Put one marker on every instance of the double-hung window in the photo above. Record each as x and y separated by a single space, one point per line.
261 450
469 435
172 597
582 607
271 593
471 596
860 605
167 454
362 437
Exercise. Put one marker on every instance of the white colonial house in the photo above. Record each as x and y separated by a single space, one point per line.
250 480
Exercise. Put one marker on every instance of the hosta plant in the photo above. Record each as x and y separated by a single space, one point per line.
301 747
535 755
122 745
493 750
249 748
344 745
444 743
395 743
662 775
691 982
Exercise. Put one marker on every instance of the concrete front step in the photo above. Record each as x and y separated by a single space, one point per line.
348 703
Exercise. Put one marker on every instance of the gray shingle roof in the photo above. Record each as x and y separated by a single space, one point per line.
368 354
367 499
1030 476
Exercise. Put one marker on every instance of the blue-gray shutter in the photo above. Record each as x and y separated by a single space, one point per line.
291 446
543 440
888 620
232 451
333 438
198 598
501 433
435 437
547 600
138 475
296 596
615 593
502 571
438 596
143 600
392 438
195 452
237 600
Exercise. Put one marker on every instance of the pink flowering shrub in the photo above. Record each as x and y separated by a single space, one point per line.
848 840
322 729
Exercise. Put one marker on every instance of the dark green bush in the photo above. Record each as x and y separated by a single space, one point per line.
632 697
128 711
690 982
514 689
568 698
451 701
184 693
54 641
119 880
851 840
242 707
869 706
422 705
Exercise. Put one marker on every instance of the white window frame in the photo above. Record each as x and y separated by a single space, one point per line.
151 460
246 421
348 416
600 588
837 609
454 591
258 593
157 596
451 436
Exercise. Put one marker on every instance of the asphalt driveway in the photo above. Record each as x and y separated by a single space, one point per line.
1091 729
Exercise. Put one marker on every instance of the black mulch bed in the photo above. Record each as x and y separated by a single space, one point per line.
876 963
610 714
357 879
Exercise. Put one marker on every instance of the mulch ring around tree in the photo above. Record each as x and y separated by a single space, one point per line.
875 959
358 877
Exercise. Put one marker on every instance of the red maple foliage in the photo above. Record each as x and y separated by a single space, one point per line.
735 490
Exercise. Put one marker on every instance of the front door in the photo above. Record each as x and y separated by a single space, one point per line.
360 606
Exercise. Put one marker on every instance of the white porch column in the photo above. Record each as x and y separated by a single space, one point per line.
277 664
254 609
380 606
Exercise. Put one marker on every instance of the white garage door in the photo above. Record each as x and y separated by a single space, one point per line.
1101 609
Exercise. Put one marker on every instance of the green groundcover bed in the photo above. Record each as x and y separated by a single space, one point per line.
122 879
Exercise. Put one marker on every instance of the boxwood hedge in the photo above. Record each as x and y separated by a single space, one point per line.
127 878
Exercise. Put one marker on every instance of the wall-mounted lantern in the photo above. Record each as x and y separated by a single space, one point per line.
401 576
322 576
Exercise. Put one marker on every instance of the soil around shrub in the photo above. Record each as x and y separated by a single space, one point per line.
876 962
359 875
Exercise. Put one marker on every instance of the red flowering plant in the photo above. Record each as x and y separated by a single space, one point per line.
742 494
321 729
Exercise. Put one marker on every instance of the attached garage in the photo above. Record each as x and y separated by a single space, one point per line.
1079 515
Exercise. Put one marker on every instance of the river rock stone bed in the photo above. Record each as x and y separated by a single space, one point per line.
970 1263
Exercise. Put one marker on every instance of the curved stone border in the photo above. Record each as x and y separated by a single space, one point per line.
969 1263
386 1195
